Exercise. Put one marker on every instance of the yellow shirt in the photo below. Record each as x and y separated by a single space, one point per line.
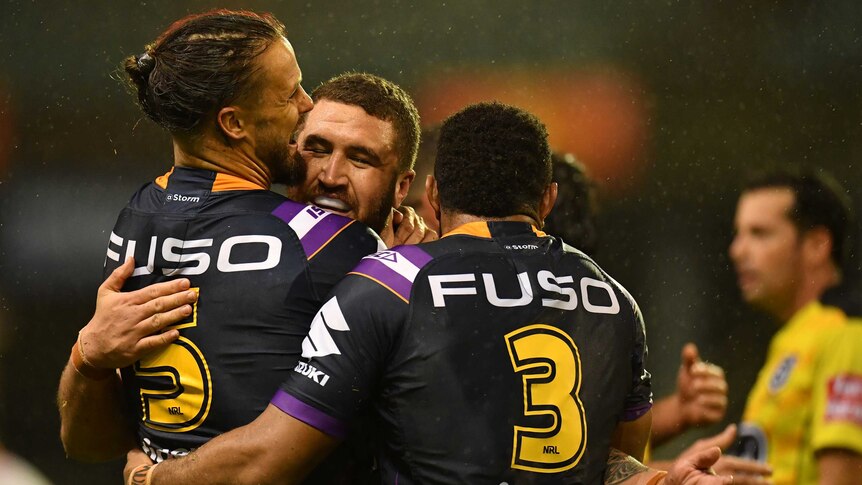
808 395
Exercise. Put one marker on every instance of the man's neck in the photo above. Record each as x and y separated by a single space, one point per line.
451 221
811 288
219 158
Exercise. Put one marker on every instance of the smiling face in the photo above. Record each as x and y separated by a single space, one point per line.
353 167
273 106
766 250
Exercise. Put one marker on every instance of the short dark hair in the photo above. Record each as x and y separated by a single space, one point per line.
574 214
493 160
199 64
381 99
818 201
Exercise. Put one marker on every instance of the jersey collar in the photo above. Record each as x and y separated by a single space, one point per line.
220 181
489 229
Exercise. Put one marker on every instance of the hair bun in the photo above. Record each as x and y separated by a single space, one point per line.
146 63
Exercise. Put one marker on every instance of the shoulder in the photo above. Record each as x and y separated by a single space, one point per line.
317 229
395 269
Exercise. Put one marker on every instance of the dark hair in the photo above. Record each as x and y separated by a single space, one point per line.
818 201
424 165
199 64
573 217
493 160
382 99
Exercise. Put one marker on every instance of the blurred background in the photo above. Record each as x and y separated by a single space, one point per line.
667 103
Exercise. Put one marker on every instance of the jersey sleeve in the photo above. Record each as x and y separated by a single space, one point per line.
332 244
837 391
639 400
344 355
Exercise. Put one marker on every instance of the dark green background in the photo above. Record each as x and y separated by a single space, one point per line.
730 86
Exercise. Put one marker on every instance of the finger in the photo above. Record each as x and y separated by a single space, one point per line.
406 225
162 319
117 278
721 440
705 458
388 234
397 216
689 355
167 302
742 466
707 369
156 342
158 290
430 235
709 385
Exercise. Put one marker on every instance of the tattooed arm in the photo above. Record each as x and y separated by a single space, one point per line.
690 469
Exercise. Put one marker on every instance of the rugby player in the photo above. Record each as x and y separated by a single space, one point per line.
497 354
804 414
700 397
227 87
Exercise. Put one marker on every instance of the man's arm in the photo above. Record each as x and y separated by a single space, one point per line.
274 448
94 423
700 398
744 471
690 469
838 467
631 437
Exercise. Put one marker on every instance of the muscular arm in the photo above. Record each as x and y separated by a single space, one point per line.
274 448
630 437
689 469
94 423
838 467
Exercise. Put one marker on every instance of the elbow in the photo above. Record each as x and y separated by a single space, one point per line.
88 449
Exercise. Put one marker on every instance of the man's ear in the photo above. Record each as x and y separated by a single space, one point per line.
230 122
432 195
817 245
402 187
549 198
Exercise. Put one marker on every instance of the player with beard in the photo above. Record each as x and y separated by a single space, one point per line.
227 87
529 380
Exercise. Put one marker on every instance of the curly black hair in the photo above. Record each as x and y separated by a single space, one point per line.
493 160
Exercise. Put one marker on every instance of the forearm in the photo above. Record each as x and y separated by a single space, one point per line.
667 420
93 423
624 470
274 448
838 467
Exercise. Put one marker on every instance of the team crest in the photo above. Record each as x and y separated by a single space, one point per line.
390 256
782 373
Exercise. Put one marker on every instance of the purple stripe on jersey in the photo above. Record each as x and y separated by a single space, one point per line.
288 210
322 233
415 255
636 412
372 267
309 415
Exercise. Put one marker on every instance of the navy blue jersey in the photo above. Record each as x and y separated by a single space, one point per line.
496 354
261 265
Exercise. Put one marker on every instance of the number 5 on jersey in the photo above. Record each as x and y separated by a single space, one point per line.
550 366
176 387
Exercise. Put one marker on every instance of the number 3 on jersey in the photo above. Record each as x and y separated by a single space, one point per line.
176 387
550 365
